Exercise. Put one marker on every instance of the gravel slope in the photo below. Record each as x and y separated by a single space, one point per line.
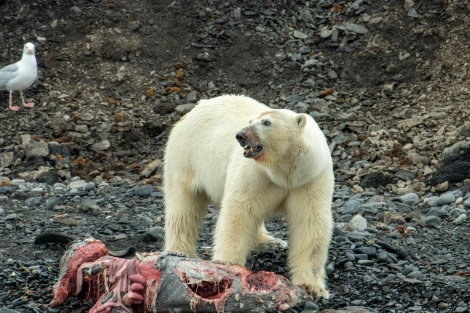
386 80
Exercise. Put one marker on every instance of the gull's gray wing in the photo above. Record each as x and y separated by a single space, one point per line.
7 73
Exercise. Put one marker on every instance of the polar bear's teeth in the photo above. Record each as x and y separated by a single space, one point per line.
248 147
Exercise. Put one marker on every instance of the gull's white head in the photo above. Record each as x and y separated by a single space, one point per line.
29 48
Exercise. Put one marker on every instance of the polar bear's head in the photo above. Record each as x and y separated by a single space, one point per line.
272 135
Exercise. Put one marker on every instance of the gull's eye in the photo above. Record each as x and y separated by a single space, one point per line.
266 123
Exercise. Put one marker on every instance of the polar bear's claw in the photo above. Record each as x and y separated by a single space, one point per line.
272 244
315 290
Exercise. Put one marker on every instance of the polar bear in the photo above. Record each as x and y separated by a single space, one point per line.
251 162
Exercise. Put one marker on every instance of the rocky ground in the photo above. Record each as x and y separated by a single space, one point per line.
386 80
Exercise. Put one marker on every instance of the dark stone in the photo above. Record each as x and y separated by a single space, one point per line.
375 180
404 175
155 126
454 169
49 178
369 251
7 189
51 202
59 149
20 195
402 253
164 108
144 191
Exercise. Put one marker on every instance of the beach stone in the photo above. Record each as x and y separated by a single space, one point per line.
369 251
357 223
433 201
351 207
460 219
144 191
466 203
431 220
409 198
446 198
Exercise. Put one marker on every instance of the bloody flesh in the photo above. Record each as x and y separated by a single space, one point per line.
160 282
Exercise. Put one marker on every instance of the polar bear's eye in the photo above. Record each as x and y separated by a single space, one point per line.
266 123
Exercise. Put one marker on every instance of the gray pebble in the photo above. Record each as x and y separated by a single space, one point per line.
354 236
184 108
357 302
74 191
77 184
409 198
401 253
366 262
51 202
460 219
350 255
394 235
382 257
294 98
89 205
371 230
431 220
309 305
461 309
89 187
192 96
5 310
457 212
457 193
370 251
446 198
361 256
33 202
143 191
466 203
349 265
300 35
155 234
351 207
433 201
415 275
10 217
330 268
357 223
374 205
438 212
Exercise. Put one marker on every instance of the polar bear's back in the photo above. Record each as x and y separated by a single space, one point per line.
203 142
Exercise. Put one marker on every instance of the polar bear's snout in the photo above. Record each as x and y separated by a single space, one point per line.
250 142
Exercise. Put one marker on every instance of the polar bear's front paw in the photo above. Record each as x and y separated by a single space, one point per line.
271 244
316 290
313 287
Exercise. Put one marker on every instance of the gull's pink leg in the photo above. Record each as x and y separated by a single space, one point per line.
11 107
26 105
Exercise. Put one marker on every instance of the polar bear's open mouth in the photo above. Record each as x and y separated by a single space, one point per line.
250 142
250 151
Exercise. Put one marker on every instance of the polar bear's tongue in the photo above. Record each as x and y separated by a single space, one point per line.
250 151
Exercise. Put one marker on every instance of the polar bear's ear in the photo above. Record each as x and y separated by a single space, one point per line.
301 120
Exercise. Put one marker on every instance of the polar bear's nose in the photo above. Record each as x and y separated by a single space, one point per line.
241 137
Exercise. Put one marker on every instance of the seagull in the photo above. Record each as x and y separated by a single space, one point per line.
20 75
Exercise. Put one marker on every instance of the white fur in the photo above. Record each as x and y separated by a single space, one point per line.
204 163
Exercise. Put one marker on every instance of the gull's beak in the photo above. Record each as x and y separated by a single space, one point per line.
31 51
